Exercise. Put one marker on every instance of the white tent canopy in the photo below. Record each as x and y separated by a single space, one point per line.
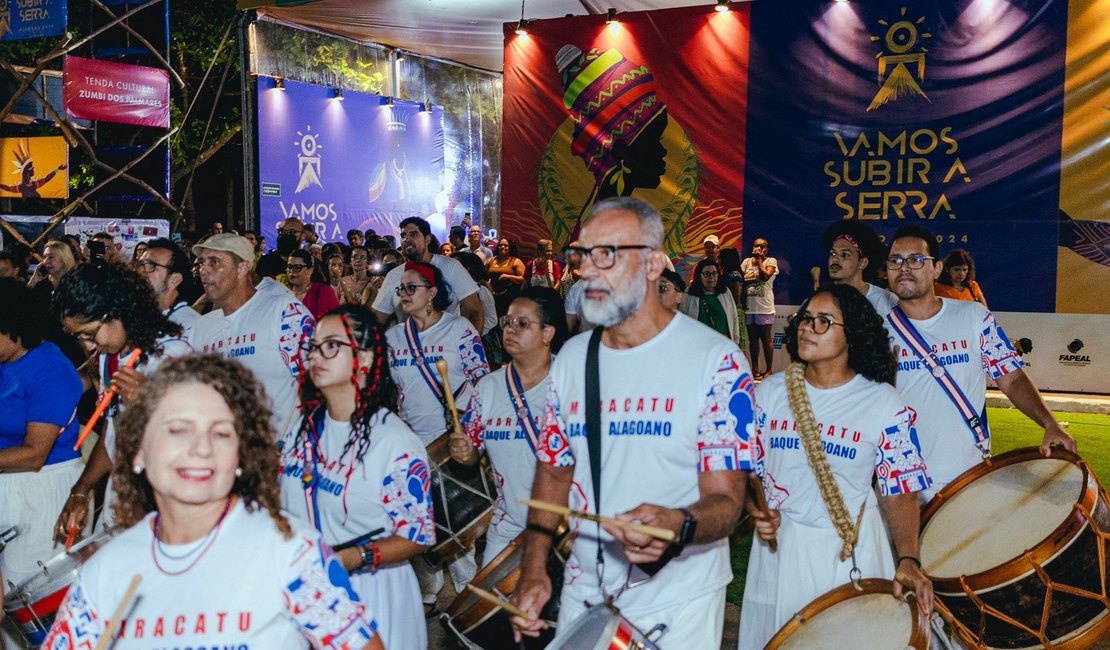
465 31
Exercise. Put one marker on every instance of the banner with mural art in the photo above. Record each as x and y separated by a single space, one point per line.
347 161
652 107
945 114
34 168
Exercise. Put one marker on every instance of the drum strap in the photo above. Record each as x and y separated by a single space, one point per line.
976 422
520 403
416 352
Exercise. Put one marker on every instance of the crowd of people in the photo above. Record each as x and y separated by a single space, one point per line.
266 419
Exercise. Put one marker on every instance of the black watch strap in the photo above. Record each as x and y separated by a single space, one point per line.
689 529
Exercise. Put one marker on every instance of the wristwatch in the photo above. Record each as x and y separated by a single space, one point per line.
686 535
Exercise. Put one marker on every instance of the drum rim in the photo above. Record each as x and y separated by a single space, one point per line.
73 557
481 608
611 627
1040 553
468 535
919 625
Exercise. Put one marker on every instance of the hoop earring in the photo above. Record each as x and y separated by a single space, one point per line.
364 370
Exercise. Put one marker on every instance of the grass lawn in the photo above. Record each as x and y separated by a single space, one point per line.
1009 430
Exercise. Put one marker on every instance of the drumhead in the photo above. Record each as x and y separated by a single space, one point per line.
504 565
60 571
1000 515
593 630
876 621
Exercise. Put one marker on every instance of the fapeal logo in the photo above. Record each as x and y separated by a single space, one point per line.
1073 358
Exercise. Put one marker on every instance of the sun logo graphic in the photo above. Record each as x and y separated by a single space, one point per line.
901 46
308 162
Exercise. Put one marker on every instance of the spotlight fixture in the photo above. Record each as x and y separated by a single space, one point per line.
611 16
389 101
427 107
722 6
522 27
339 93
279 83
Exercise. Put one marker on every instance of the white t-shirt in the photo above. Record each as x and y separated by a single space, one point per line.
489 309
867 431
761 295
881 299
264 334
572 304
492 424
673 407
251 588
458 280
452 339
971 346
185 316
388 488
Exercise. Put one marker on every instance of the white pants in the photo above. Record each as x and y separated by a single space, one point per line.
462 572
696 625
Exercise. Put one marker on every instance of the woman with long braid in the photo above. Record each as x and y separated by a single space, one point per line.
825 429
353 467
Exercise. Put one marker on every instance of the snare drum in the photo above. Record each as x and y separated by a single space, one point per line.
462 499
603 628
481 624
1017 550
847 617
34 602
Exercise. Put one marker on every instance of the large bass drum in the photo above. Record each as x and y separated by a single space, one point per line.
462 499
1017 548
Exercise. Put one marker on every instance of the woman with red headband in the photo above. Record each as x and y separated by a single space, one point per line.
427 335
356 472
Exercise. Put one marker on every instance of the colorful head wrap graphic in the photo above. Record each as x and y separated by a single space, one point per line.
609 98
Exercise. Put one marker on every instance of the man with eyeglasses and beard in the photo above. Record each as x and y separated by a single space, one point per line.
671 392
167 269
960 340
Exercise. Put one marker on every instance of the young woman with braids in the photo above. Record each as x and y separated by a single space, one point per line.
352 467
198 492
111 309
825 429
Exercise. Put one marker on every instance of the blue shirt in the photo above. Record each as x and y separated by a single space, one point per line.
42 386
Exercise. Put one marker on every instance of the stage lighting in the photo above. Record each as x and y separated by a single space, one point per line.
611 17
279 83
339 93
722 6
522 27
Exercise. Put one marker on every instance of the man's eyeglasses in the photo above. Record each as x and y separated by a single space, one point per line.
819 324
148 266
515 322
327 350
296 268
604 257
913 262
410 289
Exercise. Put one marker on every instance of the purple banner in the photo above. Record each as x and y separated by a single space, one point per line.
354 162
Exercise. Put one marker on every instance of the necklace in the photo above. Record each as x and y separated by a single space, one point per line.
202 547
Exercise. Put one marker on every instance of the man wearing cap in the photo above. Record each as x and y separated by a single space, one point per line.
855 254
474 244
712 246
260 329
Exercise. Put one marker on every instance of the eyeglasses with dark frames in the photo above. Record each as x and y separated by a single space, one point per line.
818 323
605 256
410 289
328 349
912 262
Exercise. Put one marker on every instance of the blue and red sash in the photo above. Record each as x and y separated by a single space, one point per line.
520 403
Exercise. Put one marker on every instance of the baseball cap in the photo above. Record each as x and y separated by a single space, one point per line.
712 239
229 243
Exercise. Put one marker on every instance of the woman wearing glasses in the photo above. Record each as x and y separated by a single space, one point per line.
427 335
112 311
710 302
354 470
506 408
319 297
825 429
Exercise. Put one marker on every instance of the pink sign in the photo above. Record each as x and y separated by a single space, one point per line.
116 92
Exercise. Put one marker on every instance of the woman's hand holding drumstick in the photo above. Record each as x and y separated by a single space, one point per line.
458 444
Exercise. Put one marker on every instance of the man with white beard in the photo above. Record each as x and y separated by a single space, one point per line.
670 391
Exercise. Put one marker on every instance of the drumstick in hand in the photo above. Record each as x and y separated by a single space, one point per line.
132 359
512 609
448 396
121 609
664 534
755 486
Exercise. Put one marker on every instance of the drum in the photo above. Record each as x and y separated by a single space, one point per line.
34 602
462 499
846 617
481 625
1017 549
603 628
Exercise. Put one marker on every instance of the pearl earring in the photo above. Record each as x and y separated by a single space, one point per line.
238 472
138 469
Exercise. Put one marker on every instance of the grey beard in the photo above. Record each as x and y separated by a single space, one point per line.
619 306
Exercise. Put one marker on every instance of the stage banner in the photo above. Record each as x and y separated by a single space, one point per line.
945 114
34 168
23 19
652 107
355 162
116 92
1083 271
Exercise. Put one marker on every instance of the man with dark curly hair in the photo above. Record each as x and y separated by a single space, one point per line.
167 269
855 255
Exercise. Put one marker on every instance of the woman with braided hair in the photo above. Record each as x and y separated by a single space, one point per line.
354 470
825 429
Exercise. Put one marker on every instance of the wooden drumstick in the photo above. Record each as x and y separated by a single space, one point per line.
504 604
106 638
664 534
755 486
448 396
